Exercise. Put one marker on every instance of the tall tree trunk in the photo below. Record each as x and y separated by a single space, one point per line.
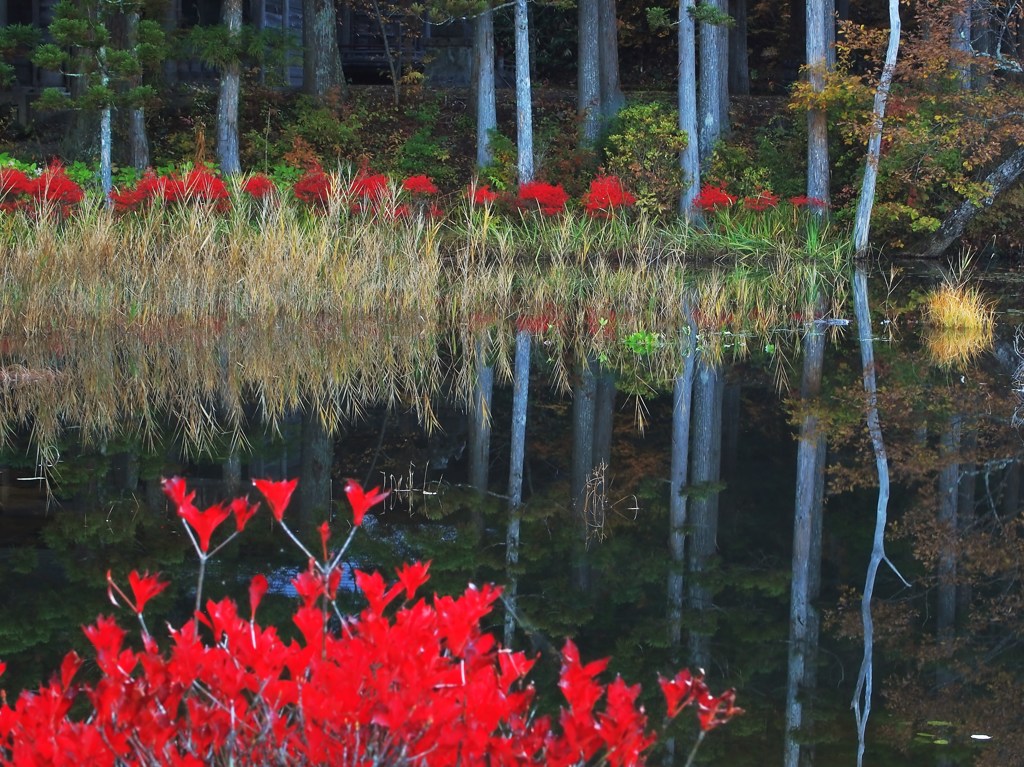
817 119
317 457
524 95
480 417
866 201
583 506
520 399
865 677
138 141
806 579
486 102
689 157
714 50
705 453
739 60
612 98
322 71
960 43
588 76
227 101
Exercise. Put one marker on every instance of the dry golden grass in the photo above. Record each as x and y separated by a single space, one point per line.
960 321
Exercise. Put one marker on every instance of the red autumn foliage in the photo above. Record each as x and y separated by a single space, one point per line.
712 198
803 201
203 186
605 195
13 184
407 680
258 186
550 199
53 188
419 185
372 187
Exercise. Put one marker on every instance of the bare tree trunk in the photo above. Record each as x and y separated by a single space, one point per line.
612 98
862 222
689 158
486 103
588 76
714 48
582 465
138 142
317 457
520 398
960 43
806 580
227 101
322 71
524 95
739 60
817 119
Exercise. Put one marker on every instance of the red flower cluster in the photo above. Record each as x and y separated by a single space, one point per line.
712 198
481 195
764 200
53 187
419 185
200 185
605 195
372 187
203 186
549 198
314 188
13 184
259 186
803 201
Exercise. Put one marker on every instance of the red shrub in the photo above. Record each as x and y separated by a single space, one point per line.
712 197
605 195
764 200
549 198
203 186
371 187
314 188
481 195
259 186
419 185
53 187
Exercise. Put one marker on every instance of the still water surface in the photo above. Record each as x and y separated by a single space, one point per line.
761 585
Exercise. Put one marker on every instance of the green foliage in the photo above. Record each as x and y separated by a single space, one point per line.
501 173
14 38
705 13
642 343
642 149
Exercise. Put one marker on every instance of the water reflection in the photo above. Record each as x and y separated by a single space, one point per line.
754 573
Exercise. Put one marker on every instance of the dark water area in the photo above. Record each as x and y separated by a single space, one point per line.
780 506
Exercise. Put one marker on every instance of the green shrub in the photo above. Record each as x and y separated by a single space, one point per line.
642 149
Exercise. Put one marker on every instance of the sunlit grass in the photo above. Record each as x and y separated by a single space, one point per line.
960 321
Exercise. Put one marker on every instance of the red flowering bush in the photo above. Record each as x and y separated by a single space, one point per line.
259 187
203 186
763 201
605 195
406 681
13 185
313 188
803 201
550 199
481 195
422 185
370 187
712 198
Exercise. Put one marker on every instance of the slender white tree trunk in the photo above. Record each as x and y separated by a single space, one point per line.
486 103
524 95
866 202
588 76
689 158
520 398
714 49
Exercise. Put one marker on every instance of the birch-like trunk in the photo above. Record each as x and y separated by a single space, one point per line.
524 95
486 101
520 398
588 75
866 202
817 119
689 158
714 63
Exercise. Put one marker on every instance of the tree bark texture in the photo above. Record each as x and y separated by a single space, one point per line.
227 100
588 76
817 119
612 98
689 157
486 102
520 398
322 71
714 63
480 419
524 95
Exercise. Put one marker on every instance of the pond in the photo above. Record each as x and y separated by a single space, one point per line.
741 548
